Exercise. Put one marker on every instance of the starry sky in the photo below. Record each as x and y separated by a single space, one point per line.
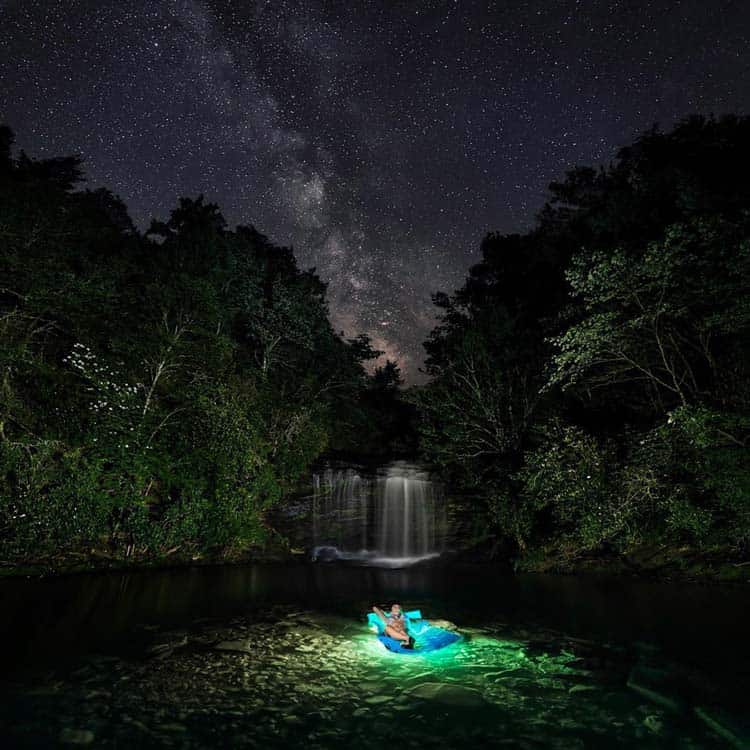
382 140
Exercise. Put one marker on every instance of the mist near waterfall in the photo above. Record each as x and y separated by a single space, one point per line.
394 518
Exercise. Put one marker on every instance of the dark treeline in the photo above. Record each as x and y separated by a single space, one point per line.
163 390
159 390
590 379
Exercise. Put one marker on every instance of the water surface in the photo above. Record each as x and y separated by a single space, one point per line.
270 655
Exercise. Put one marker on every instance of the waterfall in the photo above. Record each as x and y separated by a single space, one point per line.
393 518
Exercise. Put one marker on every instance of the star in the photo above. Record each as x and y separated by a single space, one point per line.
381 144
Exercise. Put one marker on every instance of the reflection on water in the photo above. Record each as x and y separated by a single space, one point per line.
272 655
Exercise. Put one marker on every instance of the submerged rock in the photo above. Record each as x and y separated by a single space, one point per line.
375 700
487 694
244 647
727 728
324 554
76 736
444 624
453 695
172 727
653 723
166 647
648 683
582 689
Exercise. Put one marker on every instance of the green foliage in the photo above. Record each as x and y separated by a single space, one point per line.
654 317
156 390
591 379
575 478
715 456
506 511
474 414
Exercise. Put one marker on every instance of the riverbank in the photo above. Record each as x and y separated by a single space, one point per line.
92 560
681 563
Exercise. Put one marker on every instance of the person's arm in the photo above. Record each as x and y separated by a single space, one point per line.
379 612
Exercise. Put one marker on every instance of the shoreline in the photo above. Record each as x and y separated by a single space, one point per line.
661 567
662 563
79 563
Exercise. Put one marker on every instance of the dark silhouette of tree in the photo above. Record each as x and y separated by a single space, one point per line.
156 390
611 335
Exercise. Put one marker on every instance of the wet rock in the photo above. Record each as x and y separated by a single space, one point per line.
466 631
650 684
603 662
76 736
417 677
325 554
174 635
372 685
164 648
608 676
444 624
94 694
303 629
375 700
137 724
172 727
653 723
582 689
205 639
244 647
453 695
727 728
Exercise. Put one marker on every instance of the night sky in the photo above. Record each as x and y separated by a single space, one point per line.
383 139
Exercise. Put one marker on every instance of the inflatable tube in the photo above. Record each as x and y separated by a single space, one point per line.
427 637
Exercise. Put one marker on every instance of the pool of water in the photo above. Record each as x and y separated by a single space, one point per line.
272 655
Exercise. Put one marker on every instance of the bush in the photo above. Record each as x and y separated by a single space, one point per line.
575 478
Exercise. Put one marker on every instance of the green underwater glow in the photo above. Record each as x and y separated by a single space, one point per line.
327 682
427 636
475 652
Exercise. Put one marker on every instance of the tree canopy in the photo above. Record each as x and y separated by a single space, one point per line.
590 378
157 389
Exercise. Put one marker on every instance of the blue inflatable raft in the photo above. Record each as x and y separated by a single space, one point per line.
427 637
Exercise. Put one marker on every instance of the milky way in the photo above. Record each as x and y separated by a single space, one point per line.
381 140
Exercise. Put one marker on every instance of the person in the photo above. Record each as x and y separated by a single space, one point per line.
395 624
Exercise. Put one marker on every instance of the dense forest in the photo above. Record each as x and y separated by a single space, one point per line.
589 383
160 390
591 379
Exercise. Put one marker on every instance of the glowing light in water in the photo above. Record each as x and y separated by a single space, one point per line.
394 519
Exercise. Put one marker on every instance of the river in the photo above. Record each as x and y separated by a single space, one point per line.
269 655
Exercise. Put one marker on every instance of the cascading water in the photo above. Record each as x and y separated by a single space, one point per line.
394 518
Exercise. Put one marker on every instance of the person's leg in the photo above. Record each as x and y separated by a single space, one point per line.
399 635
